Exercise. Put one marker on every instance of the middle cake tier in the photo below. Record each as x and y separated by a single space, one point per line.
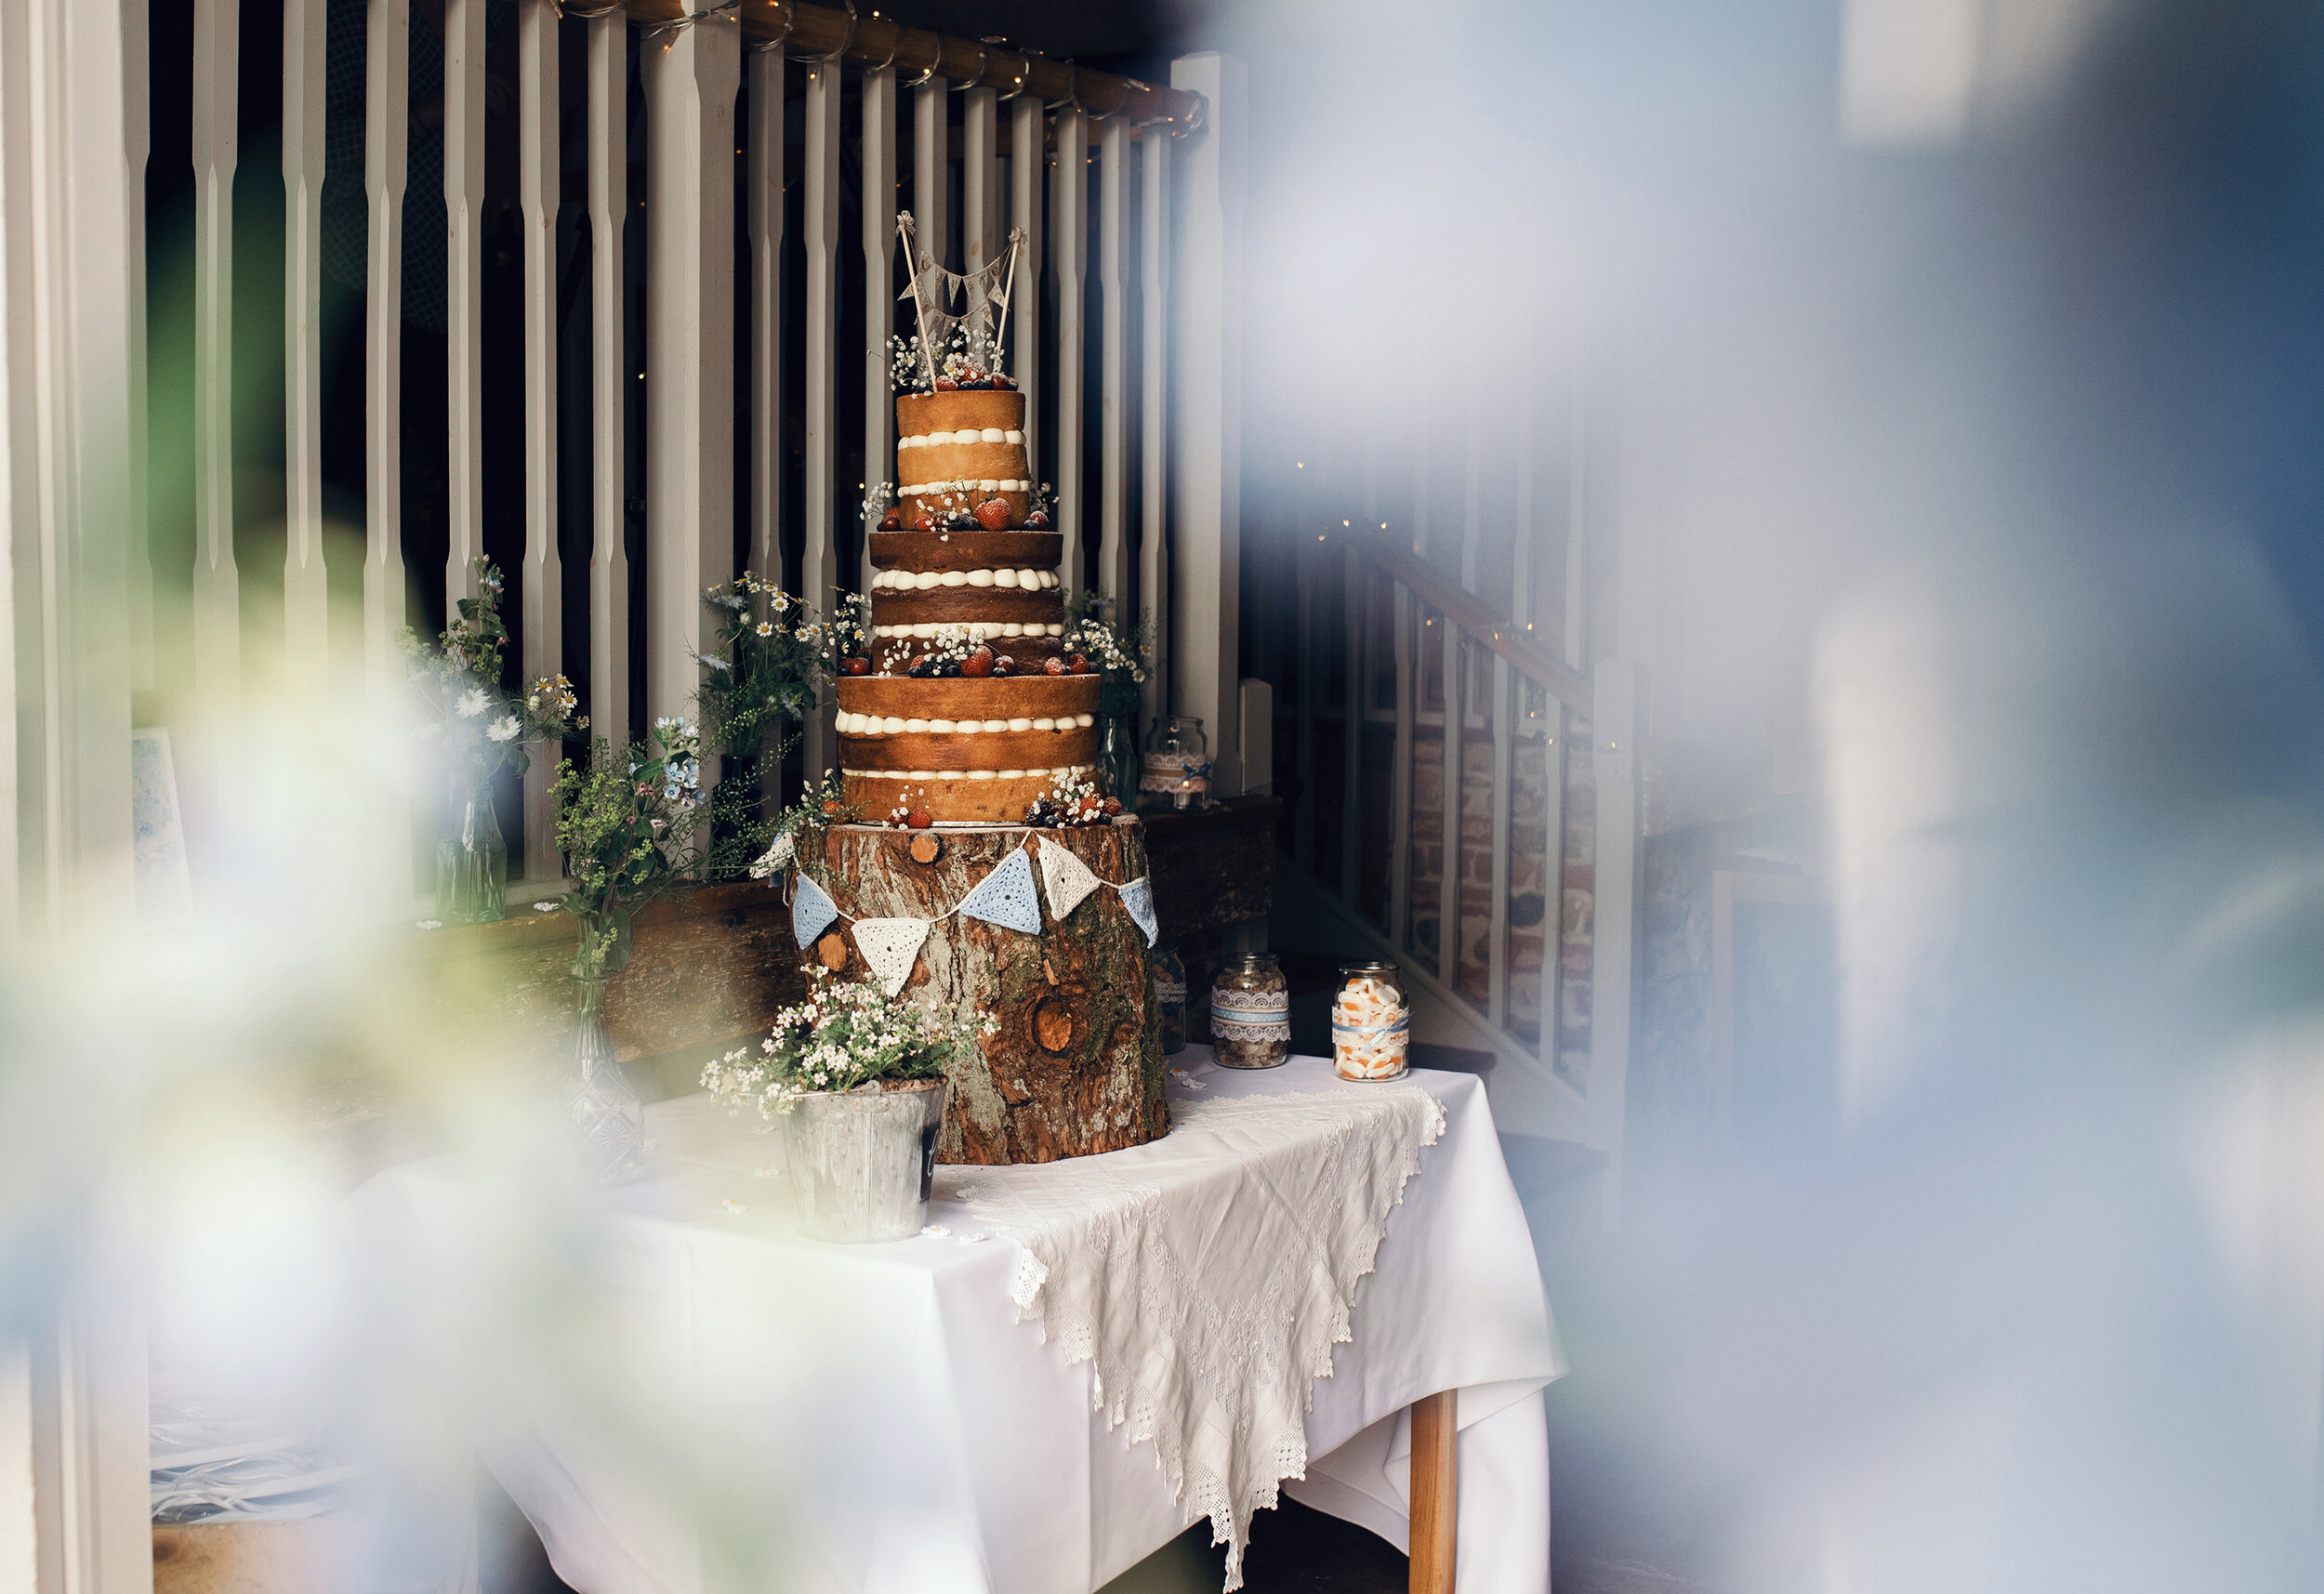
970 748
996 587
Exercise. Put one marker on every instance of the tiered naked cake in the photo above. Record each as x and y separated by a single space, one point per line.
968 706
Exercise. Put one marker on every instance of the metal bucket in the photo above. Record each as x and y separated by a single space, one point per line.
861 1161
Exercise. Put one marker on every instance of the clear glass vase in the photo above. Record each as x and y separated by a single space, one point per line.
473 858
1118 759
608 1121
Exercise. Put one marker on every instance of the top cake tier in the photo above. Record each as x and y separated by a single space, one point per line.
955 450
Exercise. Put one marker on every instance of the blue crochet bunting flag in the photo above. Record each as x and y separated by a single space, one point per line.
1006 896
1138 897
811 912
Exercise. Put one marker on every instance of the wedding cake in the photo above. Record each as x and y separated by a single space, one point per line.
967 706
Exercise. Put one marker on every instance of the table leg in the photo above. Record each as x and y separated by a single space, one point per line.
1435 1491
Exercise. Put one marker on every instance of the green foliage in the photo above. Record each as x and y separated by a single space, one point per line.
625 826
774 659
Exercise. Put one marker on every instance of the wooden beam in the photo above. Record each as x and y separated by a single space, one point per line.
822 32
1435 1491
1473 616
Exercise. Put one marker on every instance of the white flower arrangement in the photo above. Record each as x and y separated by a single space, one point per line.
846 1035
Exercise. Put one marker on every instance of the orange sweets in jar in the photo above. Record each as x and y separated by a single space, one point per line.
1371 1023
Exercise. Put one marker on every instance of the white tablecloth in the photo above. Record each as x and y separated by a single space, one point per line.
683 1395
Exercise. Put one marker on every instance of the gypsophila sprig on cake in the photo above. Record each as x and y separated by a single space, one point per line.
463 709
1073 798
625 826
847 1035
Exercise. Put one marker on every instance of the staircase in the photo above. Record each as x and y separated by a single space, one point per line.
1407 699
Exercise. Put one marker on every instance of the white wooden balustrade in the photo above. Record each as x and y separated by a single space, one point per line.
1092 344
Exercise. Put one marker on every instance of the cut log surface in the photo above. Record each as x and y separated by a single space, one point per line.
1075 1066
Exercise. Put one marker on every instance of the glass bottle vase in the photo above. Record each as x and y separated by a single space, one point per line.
1118 759
473 857
608 1121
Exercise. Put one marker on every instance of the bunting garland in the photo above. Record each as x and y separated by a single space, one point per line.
1138 898
890 946
1067 878
1007 896
811 911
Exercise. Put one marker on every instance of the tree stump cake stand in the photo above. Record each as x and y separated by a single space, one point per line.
1076 1067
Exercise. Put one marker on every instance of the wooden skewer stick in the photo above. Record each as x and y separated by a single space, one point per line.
919 308
1016 243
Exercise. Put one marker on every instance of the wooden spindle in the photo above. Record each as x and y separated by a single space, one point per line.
1069 246
763 186
1114 368
137 147
464 291
610 381
1154 370
305 587
1206 352
216 582
820 572
981 206
690 79
878 102
542 641
1507 725
1305 565
1353 615
1027 163
1613 917
1573 642
931 168
385 102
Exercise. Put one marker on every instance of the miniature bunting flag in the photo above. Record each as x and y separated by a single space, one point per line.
890 946
811 912
1067 877
1138 897
1006 896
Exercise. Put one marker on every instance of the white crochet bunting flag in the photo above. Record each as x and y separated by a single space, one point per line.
811 912
1006 896
1138 897
890 946
1067 877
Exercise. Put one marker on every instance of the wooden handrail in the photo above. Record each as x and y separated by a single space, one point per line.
808 32
1470 613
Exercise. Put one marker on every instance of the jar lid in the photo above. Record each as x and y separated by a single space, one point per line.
1368 968
1251 960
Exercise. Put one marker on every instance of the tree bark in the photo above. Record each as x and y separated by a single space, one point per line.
1076 1067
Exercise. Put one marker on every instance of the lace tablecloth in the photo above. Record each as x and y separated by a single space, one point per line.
1207 1276
716 1404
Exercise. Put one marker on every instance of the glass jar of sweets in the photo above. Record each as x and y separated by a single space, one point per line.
1169 1000
1175 772
1371 1023
1250 1013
